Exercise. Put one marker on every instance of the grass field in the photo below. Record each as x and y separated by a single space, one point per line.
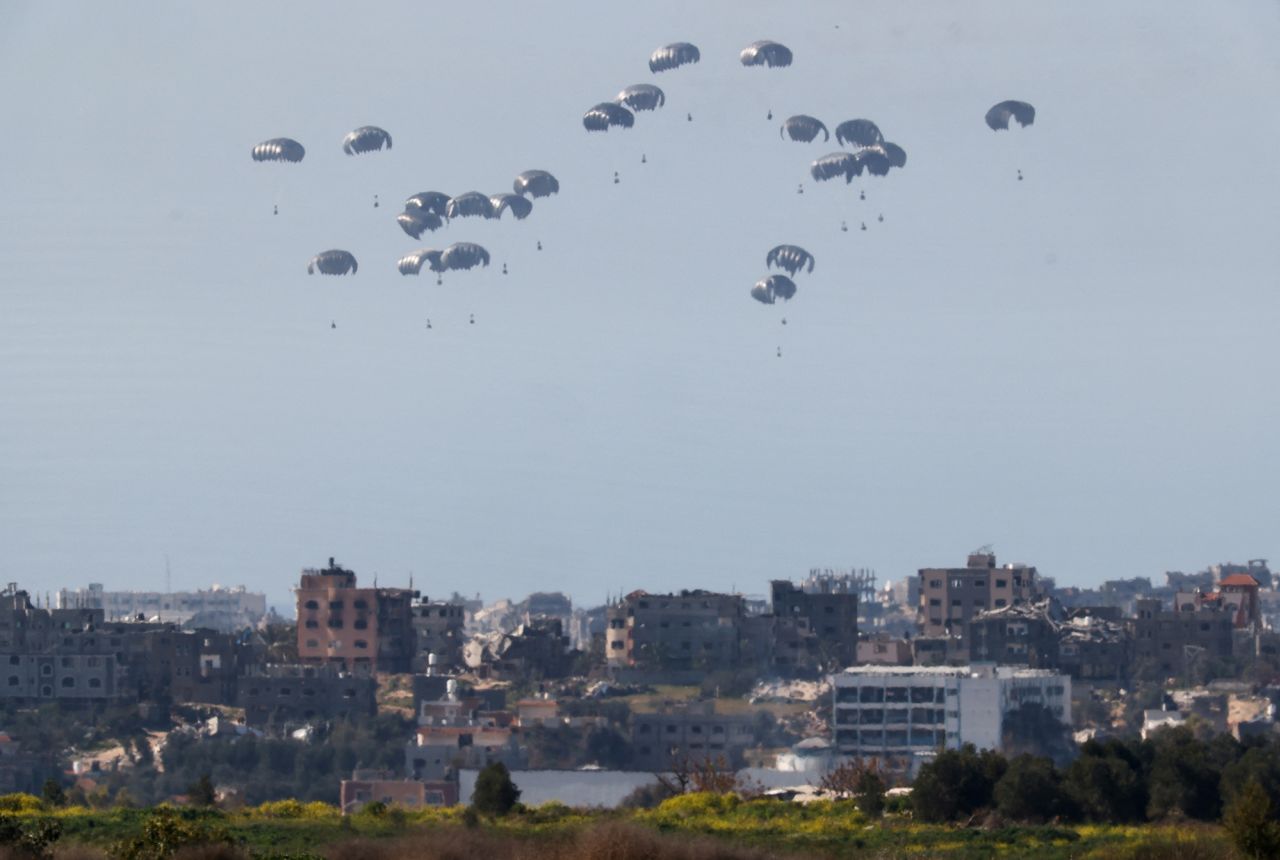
699 827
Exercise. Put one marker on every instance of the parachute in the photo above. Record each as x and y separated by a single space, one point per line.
835 164
366 138
334 262
279 149
536 183
879 159
999 115
673 56
432 201
640 97
417 221
792 258
804 128
858 132
876 160
411 264
766 53
768 290
469 205
605 114
464 255
520 206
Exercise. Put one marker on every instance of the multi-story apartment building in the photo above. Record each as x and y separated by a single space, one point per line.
73 655
950 597
690 631
439 629
1022 635
292 694
1170 641
814 628
693 734
905 711
340 623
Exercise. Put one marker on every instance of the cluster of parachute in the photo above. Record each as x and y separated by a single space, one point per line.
621 111
869 151
429 210
366 138
458 256
865 151
792 259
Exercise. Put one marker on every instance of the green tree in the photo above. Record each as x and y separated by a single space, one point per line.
1250 825
53 793
1105 784
870 796
495 794
1033 729
956 783
1030 790
201 793
1185 774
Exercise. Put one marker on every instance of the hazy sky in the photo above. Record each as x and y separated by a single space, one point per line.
1079 368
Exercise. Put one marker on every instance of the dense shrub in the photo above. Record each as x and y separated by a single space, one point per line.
495 793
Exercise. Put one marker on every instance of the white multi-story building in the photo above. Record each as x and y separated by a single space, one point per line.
903 711
218 607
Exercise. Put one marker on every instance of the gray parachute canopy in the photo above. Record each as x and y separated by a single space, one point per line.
279 149
411 264
415 222
835 164
464 255
432 201
520 207
765 53
876 160
772 288
791 258
999 115
642 97
858 132
879 159
366 138
473 204
672 56
536 183
803 128
334 262
605 114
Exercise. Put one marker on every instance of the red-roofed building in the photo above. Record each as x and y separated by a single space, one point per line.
1240 596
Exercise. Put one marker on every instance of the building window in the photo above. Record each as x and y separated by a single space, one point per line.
1002 583
13 680
311 604
359 604
46 670
312 643
361 624
360 643
312 624
95 683
68 681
